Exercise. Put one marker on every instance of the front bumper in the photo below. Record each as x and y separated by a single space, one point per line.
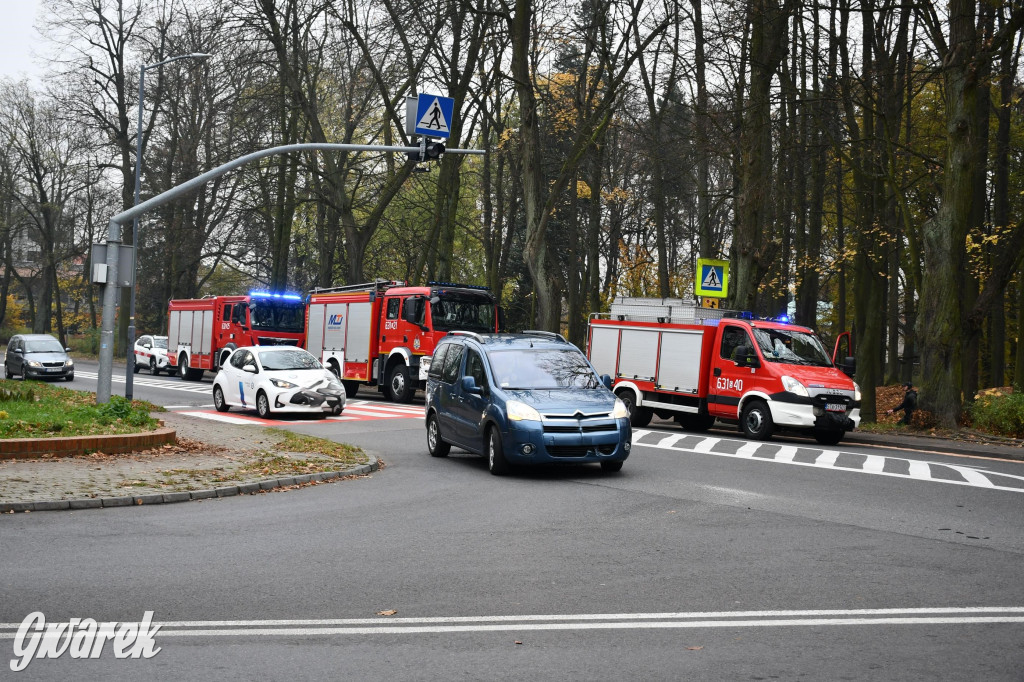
813 416
546 442
49 372
306 400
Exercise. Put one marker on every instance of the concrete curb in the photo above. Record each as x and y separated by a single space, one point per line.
248 488
71 446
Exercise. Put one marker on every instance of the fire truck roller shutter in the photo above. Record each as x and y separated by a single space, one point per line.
677 370
638 354
604 349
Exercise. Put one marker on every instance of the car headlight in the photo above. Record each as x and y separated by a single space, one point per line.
34 363
518 412
794 386
620 411
281 383
856 392
69 363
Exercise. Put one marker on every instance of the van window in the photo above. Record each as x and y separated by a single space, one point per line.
437 362
733 338
393 304
452 362
475 368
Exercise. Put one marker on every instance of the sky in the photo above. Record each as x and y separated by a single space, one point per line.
18 39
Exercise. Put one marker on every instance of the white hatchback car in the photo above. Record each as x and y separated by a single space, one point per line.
277 379
151 352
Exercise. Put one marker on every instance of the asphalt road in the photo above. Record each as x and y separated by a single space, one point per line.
705 558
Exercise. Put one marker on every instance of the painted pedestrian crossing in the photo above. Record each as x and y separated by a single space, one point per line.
169 384
355 410
876 465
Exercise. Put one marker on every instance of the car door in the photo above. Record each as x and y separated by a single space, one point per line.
468 408
447 394
16 356
235 379
141 350
728 378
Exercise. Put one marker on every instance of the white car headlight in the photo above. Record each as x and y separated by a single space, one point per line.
518 411
34 363
281 383
69 363
620 411
856 392
794 386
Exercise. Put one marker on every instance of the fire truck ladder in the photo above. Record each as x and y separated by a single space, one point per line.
378 285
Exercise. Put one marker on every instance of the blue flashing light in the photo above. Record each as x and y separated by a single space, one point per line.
782 319
270 294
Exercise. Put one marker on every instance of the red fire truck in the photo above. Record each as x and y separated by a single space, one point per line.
383 334
673 359
202 332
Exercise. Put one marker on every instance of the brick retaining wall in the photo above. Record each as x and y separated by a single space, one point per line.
69 446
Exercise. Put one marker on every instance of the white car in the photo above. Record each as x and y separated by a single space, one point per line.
151 352
277 379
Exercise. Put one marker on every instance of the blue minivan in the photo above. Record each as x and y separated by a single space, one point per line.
528 398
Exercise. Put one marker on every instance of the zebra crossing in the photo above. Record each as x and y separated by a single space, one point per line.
167 384
875 465
355 410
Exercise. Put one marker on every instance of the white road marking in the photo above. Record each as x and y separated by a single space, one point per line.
826 459
218 417
585 621
170 385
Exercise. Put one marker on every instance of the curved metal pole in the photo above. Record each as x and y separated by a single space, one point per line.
114 233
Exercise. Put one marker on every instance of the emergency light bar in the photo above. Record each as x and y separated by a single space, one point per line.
461 286
268 294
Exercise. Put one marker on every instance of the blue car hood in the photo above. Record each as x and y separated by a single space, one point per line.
565 400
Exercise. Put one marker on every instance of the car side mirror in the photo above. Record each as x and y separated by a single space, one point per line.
469 386
745 357
251 369
607 381
67 350
848 366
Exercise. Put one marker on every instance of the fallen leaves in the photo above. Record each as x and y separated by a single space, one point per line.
389 612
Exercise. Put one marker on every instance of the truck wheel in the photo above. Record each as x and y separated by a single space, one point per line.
829 437
435 444
187 373
756 420
263 405
399 388
218 400
638 416
351 388
496 462
697 423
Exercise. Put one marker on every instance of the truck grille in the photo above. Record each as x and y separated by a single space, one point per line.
271 341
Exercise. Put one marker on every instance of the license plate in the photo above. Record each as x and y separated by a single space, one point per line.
835 407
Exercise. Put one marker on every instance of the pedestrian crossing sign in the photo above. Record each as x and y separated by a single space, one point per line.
712 278
434 115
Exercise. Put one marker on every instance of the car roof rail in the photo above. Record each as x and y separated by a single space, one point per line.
459 332
551 335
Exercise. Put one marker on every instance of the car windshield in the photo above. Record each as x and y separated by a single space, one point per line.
529 368
278 316
791 347
288 359
50 345
465 313
160 342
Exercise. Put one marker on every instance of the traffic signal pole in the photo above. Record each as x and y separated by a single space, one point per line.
110 287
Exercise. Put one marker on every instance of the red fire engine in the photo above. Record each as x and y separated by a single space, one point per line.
202 332
383 333
673 359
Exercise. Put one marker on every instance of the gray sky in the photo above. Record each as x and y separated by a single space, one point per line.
18 39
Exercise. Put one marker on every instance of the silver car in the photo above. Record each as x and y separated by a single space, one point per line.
38 356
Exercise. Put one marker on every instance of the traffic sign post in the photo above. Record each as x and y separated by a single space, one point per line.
712 278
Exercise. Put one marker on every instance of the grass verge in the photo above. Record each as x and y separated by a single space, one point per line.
36 409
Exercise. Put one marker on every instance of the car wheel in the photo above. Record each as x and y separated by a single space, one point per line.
337 409
69 377
136 367
611 467
756 420
351 388
399 387
829 437
7 372
638 416
263 405
435 444
496 462
218 400
152 367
